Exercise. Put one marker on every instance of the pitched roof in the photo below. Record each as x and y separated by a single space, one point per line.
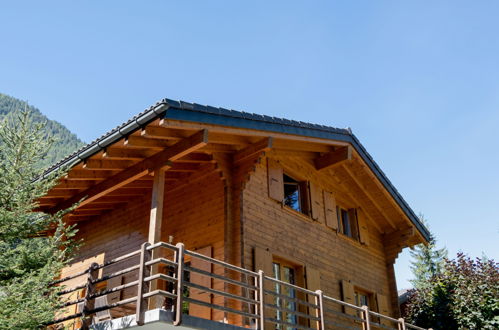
180 110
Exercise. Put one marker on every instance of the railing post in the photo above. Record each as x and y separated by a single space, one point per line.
401 324
365 316
89 303
319 312
180 283
261 299
142 287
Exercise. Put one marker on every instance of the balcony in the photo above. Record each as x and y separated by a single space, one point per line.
166 286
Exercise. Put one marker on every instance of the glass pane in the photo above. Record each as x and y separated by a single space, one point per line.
292 193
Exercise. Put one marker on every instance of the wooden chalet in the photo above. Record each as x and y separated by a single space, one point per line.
205 217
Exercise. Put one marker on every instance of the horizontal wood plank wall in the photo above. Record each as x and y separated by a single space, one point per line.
194 215
299 238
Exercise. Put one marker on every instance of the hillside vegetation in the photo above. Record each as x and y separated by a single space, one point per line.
65 141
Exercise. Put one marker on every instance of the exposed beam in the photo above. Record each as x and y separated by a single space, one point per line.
163 133
122 153
371 198
67 184
129 192
254 149
286 144
89 174
138 170
104 164
103 206
333 158
196 158
142 142
183 167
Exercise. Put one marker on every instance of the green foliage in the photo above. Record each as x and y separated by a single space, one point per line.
65 142
465 295
33 246
427 260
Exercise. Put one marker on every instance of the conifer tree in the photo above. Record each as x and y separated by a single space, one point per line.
34 246
427 260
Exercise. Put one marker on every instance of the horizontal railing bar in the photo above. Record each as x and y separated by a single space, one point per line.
383 316
118 259
116 304
221 293
297 326
79 287
222 263
162 244
341 314
226 309
340 325
223 278
161 261
115 274
379 325
412 326
116 288
73 302
161 277
343 303
288 298
291 311
62 319
161 293
313 293
70 277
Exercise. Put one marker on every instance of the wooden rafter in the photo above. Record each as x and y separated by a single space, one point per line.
334 158
104 164
89 174
353 177
256 148
138 170
142 142
126 153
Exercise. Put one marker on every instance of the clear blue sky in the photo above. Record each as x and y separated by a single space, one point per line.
417 81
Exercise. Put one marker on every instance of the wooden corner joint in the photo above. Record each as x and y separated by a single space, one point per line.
336 157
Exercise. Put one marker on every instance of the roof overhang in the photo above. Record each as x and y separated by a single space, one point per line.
195 113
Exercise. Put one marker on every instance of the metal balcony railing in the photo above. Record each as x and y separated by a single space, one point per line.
235 295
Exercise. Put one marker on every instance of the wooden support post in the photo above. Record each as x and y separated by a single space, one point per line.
142 287
366 325
261 300
180 284
155 220
319 312
89 303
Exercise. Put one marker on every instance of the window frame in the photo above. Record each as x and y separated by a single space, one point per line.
303 194
353 222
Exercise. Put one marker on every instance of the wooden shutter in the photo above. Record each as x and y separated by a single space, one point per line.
363 229
263 261
330 210
275 180
348 295
198 310
313 277
315 200
382 302
352 218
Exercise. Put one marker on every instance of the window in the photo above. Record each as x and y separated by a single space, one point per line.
347 222
295 194
363 298
287 273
